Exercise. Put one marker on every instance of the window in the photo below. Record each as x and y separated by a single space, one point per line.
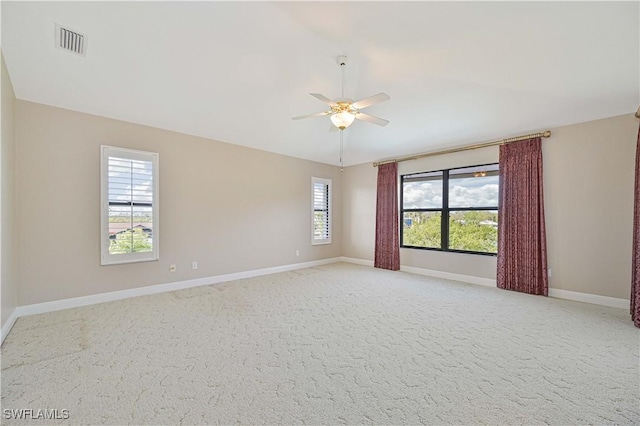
129 205
451 210
321 211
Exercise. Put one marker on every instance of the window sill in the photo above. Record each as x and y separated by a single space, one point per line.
120 262
451 251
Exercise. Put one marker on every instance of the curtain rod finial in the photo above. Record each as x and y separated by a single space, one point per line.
546 134
638 113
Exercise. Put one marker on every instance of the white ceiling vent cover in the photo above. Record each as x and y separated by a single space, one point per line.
70 40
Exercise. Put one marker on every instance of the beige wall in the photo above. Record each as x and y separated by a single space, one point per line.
234 209
9 291
228 207
589 178
588 172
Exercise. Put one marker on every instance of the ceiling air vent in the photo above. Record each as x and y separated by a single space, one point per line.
71 41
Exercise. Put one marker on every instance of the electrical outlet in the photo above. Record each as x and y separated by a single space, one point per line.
172 268
297 252
194 265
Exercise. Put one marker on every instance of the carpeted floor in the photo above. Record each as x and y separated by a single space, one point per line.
329 345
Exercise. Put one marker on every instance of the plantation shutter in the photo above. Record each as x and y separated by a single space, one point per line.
321 220
129 205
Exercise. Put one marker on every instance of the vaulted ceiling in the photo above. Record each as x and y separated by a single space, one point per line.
457 72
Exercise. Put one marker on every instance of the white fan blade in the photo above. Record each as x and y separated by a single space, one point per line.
371 100
318 114
323 98
371 119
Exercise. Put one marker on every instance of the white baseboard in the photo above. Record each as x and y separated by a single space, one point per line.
595 299
487 282
357 261
8 325
430 272
57 305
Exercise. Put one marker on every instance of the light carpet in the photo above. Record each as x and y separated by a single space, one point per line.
337 344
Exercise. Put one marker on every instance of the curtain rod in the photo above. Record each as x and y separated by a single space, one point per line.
544 134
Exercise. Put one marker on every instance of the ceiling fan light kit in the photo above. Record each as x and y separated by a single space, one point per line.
343 119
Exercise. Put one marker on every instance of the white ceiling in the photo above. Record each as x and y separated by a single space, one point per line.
457 73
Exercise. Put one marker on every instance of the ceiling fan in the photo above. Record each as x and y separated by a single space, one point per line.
344 110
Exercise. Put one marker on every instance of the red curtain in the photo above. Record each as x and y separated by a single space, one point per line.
387 252
635 271
522 246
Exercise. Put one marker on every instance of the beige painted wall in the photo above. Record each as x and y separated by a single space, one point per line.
589 178
588 172
228 207
234 209
9 290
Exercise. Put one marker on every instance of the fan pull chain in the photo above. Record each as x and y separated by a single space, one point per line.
342 88
341 168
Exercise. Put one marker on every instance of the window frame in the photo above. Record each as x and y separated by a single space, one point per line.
444 211
106 258
329 189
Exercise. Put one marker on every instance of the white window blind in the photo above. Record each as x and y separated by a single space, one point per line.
321 211
129 213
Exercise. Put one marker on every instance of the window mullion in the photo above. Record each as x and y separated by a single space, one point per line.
444 217
131 211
